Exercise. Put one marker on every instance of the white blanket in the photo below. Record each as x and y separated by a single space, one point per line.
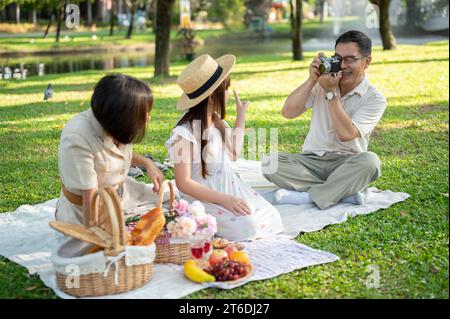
26 239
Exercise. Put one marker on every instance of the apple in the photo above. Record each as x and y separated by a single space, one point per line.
217 257
230 249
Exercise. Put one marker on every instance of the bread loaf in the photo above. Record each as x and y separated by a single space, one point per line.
148 227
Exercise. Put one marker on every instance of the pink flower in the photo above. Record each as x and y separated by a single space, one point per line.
182 207
206 225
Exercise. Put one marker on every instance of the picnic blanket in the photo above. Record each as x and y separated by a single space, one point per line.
27 239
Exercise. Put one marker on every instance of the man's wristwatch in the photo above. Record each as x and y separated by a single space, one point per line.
330 95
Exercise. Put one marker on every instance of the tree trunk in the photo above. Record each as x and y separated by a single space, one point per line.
49 24
3 15
130 28
387 37
296 29
59 19
412 14
321 4
89 13
111 20
163 17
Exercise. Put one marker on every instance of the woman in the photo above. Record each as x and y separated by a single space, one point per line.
202 146
95 149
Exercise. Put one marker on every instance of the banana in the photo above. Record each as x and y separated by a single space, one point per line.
195 273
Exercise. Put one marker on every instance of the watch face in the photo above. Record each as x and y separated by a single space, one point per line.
329 95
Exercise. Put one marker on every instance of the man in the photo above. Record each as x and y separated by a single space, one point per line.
335 164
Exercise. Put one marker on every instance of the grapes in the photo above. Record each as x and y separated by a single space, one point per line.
228 270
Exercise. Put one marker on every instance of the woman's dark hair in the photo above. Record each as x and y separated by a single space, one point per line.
362 41
199 112
121 104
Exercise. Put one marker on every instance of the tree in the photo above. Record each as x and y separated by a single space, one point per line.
163 16
112 12
296 29
89 12
198 6
387 36
60 13
228 12
320 7
132 5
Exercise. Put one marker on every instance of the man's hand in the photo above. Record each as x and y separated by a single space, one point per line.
314 72
330 81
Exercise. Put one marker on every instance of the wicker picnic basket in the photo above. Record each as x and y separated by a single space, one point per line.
116 269
168 251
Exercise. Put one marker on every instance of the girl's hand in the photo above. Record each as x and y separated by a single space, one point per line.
155 175
236 205
241 107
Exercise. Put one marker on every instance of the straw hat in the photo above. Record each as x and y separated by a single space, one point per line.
201 77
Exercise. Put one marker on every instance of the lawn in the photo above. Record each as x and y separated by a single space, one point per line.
407 242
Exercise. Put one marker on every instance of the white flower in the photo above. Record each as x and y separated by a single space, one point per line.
182 227
197 209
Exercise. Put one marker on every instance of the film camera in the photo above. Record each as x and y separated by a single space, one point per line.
330 65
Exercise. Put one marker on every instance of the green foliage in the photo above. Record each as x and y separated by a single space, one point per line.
228 12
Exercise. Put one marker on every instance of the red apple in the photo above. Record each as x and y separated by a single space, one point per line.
217 257
230 250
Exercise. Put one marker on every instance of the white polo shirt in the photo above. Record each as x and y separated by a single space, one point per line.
364 104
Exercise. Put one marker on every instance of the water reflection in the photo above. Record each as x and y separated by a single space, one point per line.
51 64
41 65
21 67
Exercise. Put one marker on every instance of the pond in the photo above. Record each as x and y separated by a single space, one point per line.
30 65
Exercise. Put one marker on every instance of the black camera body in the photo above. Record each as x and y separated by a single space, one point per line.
330 65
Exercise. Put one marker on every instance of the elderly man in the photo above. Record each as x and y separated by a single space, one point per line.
335 164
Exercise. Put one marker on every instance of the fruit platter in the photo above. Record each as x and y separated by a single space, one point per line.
226 263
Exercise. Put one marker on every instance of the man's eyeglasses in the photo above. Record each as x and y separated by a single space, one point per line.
349 59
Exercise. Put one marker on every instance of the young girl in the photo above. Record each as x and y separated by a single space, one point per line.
95 149
202 145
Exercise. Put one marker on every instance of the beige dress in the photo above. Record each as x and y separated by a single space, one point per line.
87 159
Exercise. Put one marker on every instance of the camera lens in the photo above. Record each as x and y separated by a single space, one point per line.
325 67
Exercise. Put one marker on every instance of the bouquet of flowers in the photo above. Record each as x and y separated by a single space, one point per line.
189 221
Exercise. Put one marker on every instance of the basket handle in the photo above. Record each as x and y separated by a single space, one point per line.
113 218
161 194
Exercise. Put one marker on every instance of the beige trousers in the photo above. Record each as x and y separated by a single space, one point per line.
327 178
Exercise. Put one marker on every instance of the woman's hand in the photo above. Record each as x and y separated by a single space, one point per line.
241 107
236 205
155 175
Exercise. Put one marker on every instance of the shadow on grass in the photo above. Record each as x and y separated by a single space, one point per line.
39 110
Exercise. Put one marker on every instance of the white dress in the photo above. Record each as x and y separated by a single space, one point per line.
265 220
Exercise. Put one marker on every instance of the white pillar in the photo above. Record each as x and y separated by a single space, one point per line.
18 13
34 17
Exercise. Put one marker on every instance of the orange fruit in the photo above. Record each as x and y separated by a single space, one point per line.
240 256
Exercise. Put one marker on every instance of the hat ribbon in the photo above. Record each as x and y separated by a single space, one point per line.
207 84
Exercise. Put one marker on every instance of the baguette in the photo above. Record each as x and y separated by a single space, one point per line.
148 227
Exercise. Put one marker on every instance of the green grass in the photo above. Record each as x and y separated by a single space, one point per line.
408 242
